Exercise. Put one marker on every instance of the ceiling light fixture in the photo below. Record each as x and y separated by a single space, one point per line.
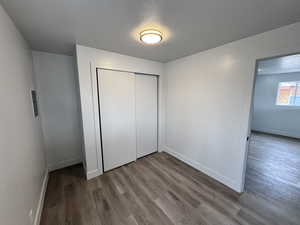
151 37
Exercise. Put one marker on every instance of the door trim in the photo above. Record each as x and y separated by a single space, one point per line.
99 115
97 112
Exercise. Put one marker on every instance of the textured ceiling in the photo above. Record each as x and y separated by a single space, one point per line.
189 26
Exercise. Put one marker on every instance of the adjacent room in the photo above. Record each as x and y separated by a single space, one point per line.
130 112
273 170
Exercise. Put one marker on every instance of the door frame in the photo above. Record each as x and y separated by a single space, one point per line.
97 113
251 114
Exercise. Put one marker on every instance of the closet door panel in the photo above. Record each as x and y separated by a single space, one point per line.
117 113
146 114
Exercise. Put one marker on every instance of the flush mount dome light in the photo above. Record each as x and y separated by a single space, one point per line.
151 37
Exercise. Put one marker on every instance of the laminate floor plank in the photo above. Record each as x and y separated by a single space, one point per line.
221 204
173 185
156 213
161 190
212 198
273 169
106 213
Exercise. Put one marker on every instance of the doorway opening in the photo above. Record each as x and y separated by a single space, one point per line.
273 162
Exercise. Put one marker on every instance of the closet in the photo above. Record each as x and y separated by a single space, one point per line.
146 114
128 116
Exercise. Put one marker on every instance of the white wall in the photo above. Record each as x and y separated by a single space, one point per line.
88 59
209 98
269 117
22 161
59 108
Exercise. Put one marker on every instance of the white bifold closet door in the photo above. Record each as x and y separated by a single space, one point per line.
117 114
146 114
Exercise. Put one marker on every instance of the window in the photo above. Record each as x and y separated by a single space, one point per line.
288 93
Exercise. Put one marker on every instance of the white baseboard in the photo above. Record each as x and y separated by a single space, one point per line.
93 174
39 209
278 132
217 176
63 164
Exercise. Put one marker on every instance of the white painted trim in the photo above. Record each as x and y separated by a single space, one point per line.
93 174
88 59
94 87
63 164
278 132
219 177
97 136
39 209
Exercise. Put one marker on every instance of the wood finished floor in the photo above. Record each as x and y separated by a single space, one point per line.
273 169
155 190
